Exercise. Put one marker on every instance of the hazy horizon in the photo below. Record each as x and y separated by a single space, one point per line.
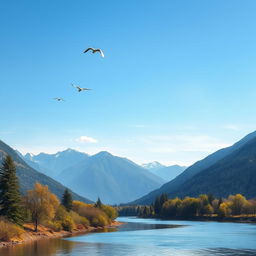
138 162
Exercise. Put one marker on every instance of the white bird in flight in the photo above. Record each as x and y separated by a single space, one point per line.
59 99
79 89
95 50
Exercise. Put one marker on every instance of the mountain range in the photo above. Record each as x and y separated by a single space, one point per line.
167 173
28 176
114 179
53 164
118 180
228 171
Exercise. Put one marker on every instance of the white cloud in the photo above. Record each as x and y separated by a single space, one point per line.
86 139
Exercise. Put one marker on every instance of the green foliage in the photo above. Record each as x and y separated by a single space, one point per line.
147 211
98 204
158 204
67 200
132 210
9 230
10 199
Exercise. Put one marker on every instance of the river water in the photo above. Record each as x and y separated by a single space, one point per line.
150 237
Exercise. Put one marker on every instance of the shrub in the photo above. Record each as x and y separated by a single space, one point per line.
54 225
68 223
99 221
78 205
9 230
79 220
110 211
61 213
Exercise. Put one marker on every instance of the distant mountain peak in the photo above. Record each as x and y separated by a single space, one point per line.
70 150
103 154
29 156
153 165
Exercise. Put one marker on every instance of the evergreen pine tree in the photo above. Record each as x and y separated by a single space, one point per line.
67 200
163 199
157 205
10 198
98 204
220 201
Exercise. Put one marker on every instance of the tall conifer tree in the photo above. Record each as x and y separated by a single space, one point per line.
67 200
98 204
10 198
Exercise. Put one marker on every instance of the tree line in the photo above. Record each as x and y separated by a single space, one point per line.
194 207
40 206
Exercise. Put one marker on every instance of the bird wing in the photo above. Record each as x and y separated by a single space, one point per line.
85 89
88 49
75 86
101 53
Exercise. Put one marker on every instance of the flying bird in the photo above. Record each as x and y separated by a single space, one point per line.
58 99
95 50
79 89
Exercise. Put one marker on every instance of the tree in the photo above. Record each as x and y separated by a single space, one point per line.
110 211
157 205
98 204
67 200
10 198
210 198
189 207
237 204
171 207
224 210
205 206
41 203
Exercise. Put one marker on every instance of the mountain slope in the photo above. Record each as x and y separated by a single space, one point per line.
165 172
114 179
53 164
168 173
236 173
28 176
172 186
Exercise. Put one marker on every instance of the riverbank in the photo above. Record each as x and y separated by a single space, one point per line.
47 233
235 219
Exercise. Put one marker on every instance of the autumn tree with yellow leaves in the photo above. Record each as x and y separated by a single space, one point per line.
41 203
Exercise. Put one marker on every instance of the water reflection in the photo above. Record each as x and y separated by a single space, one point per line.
150 238
45 247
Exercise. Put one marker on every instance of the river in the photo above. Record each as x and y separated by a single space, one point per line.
150 237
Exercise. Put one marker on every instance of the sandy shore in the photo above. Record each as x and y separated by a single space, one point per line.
46 233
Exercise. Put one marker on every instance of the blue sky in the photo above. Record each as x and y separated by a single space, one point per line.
177 83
